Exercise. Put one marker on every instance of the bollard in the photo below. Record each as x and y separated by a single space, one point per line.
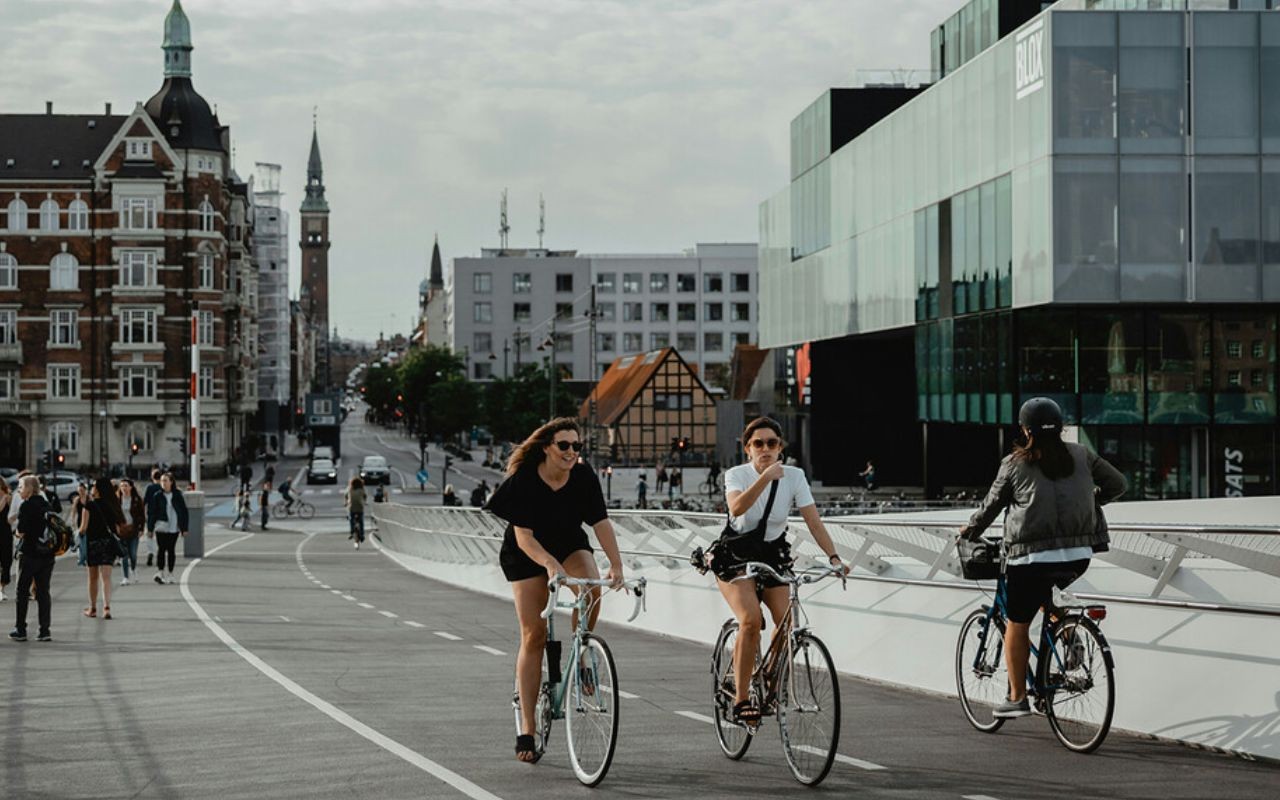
193 542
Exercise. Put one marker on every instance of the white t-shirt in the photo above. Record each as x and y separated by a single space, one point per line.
793 488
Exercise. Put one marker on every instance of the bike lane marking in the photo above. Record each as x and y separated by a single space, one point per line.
493 651
447 635
843 759
416 759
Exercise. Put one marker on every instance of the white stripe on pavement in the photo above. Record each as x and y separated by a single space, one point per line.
493 651
348 597
622 694
697 717
976 797
365 605
843 759
413 624
418 760
389 615
449 636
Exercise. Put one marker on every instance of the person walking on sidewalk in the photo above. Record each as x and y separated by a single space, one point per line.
135 515
264 503
244 511
642 492
6 538
167 518
354 501
78 503
149 543
36 562
98 524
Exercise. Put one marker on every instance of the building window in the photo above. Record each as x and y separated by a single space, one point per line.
658 341
522 312
713 282
78 216
660 312
564 310
63 273
632 342
8 326
1234 348
740 312
713 342
1233 377
1226 81
206 216
138 326
632 312
138 383
482 343
205 270
138 213
742 281
522 282
64 436
686 342
204 385
142 436
1256 378
64 325
137 268
686 282
605 342
49 212
564 342
741 338
138 149
659 282
208 438
204 327
676 401
482 312
17 215
8 271
564 282
605 282
482 370
713 312
1259 349
686 312
8 385
607 312
482 283
64 382
631 283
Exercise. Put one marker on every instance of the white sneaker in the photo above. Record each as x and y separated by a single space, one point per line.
2 597
124 581
169 579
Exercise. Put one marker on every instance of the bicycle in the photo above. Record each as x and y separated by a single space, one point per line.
300 507
795 681
588 700
1072 684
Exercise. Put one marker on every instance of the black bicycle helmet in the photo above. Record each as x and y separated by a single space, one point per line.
1040 414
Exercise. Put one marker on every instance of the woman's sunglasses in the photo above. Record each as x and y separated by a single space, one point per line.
564 446
766 444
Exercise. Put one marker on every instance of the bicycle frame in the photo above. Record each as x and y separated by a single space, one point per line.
1045 655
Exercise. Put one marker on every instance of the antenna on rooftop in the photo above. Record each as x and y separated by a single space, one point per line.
542 219
503 227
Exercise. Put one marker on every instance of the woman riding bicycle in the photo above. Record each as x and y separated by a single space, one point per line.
747 490
1053 490
545 499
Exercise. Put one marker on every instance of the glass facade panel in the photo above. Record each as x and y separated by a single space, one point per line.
1270 72
1084 81
1271 229
1225 83
1004 241
1047 358
811 211
1242 463
1123 448
1153 235
1244 368
921 243
1110 368
973 249
1226 218
1152 83
1172 459
987 280
959 252
1084 246
1178 376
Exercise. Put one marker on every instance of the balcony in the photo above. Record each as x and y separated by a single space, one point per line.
17 408
11 353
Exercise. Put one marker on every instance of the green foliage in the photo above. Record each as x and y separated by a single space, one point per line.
454 405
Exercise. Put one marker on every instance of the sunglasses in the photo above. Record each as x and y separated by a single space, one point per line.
564 446
766 444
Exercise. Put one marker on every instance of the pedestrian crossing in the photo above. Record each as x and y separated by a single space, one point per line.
334 490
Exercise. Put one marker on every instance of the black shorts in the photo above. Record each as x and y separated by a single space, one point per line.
1030 586
517 566
777 554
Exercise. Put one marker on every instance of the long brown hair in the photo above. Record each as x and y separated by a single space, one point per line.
108 501
1046 450
529 453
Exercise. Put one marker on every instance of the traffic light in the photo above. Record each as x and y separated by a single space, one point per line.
133 448
448 461
46 461
680 444
59 459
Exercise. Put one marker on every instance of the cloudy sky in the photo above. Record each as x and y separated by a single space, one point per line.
648 125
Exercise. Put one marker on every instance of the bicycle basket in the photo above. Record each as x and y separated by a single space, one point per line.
979 561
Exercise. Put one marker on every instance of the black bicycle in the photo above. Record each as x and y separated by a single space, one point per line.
1073 683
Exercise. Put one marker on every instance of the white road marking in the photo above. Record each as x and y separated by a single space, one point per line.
348 597
843 759
286 619
365 605
413 624
389 615
622 694
697 717
493 651
418 760
976 797
326 586
335 591
449 636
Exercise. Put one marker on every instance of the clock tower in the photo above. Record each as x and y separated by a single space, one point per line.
315 260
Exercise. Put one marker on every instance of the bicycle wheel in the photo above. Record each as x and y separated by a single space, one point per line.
541 715
1081 696
306 510
278 510
809 710
982 681
733 737
591 711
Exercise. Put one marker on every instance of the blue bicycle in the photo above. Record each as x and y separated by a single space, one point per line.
1073 681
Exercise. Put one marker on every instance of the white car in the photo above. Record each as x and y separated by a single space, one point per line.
374 469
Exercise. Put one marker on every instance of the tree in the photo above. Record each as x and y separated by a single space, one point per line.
515 407
455 405
420 370
382 384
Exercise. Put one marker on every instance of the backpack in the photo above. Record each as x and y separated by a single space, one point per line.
57 537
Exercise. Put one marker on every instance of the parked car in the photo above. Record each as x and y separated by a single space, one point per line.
374 469
322 470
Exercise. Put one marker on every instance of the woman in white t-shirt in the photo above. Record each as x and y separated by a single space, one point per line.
746 490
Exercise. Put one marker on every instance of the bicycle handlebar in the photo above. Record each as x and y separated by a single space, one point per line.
635 586
813 574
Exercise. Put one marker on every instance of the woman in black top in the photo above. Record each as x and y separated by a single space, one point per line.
98 523
545 499
6 537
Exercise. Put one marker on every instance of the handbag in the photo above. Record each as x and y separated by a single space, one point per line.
734 547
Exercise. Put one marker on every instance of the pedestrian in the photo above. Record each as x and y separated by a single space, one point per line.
660 478
36 562
269 476
450 498
246 476
244 512
480 494
868 476
6 538
134 515
354 501
713 477
149 543
642 492
675 484
98 521
167 518
264 503
78 502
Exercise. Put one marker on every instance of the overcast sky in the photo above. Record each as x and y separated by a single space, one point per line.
648 125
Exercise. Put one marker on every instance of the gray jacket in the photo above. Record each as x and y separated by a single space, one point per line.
1046 514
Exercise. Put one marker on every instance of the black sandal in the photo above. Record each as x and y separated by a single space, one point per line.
525 744
746 713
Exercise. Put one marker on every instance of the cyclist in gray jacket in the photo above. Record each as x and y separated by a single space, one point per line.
1053 491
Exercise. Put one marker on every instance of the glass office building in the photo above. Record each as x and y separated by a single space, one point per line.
1089 209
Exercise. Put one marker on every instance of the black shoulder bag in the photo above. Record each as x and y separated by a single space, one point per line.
732 547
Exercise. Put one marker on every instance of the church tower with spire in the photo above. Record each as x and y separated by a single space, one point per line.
315 258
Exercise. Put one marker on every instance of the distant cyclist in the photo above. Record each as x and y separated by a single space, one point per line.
1052 489
545 499
354 501
286 489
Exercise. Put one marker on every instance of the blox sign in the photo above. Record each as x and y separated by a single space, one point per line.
1028 54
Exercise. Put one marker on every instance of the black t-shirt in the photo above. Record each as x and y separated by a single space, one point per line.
525 500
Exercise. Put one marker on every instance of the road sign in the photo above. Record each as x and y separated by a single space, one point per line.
422 476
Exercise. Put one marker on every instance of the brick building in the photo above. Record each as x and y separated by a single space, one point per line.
114 231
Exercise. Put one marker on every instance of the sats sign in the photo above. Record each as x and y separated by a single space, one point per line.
1029 59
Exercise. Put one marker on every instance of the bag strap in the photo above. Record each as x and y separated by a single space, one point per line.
762 526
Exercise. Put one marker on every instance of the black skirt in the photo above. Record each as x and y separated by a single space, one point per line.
777 554
517 566
101 551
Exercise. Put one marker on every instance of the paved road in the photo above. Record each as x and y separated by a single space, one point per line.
290 665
